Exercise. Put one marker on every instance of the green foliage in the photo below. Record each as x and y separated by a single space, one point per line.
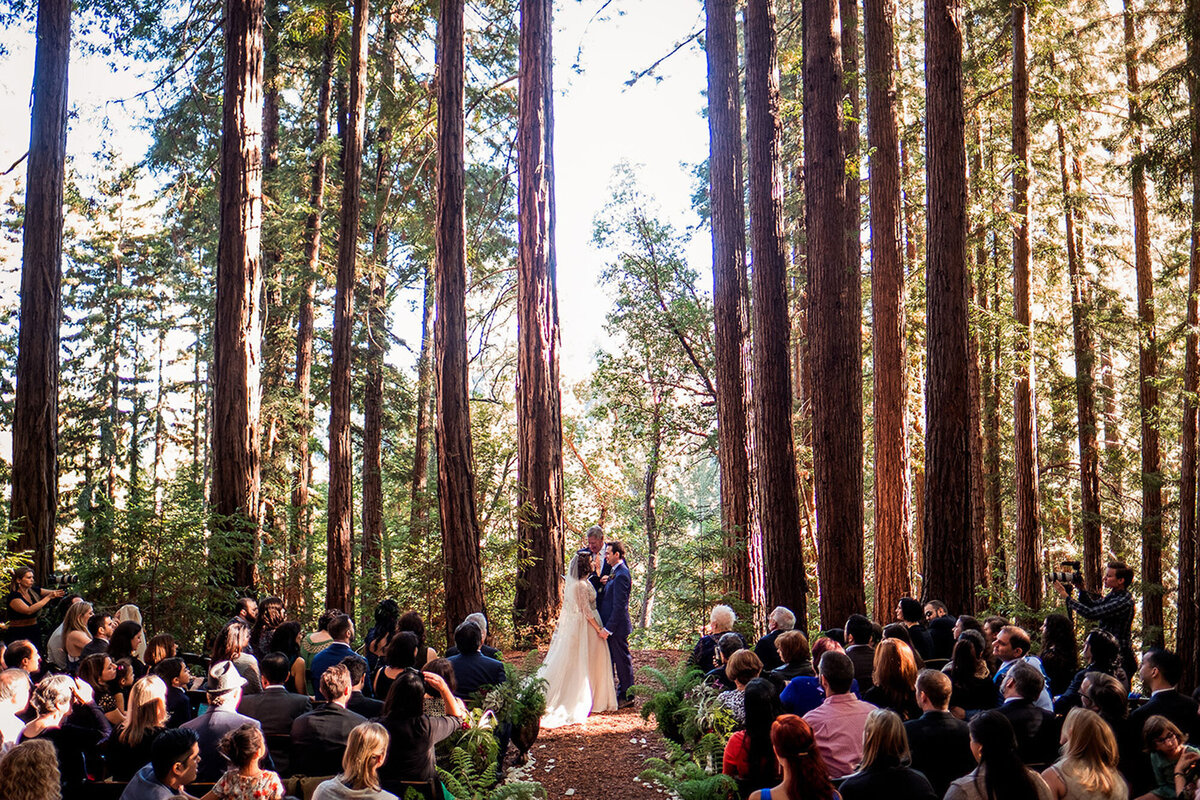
666 697
521 698
469 771
695 775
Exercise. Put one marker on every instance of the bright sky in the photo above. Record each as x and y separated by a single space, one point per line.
600 122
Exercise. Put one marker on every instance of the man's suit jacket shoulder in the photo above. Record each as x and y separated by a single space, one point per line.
275 710
1179 708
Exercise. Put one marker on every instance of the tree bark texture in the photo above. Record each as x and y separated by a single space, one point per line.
851 132
237 332
339 580
948 548
834 320
418 506
1029 539
301 515
456 463
730 303
893 494
1152 529
541 539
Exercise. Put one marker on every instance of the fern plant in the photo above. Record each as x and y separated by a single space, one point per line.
666 691
472 767
692 776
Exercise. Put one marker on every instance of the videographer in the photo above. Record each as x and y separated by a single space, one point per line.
23 603
1113 612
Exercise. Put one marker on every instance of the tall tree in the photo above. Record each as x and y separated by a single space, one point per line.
237 339
456 468
35 420
1152 588
339 586
775 488
834 323
892 490
1189 617
540 535
948 547
419 503
1028 544
729 287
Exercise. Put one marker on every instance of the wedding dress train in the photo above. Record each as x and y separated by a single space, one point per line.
578 668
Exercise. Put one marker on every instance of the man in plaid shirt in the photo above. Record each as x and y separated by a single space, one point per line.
1113 612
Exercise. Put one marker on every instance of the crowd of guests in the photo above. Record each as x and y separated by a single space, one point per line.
937 706
97 701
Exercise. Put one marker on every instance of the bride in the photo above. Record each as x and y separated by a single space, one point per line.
578 669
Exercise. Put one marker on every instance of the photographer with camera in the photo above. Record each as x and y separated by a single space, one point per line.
1113 612
23 604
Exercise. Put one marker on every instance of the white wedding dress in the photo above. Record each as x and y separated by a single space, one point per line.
578 669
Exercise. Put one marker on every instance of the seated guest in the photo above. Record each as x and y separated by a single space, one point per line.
125 642
401 655
743 667
129 750
472 669
14 699
131 613
100 628
1000 773
1012 647
159 649
245 749
225 685
704 654
68 718
245 611
991 629
838 722
802 768
29 771
99 671
232 645
412 733
1088 767
411 621
75 634
748 757
433 697
271 614
1060 658
175 675
720 677
804 693
1172 760
275 708
894 679
779 621
365 707
1101 653
1035 728
1160 672
966 622
359 778
973 689
909 612
313 643
884 770
1107 696
940 743
898 630
286 640
489 651
22 655
387 617
793 652
174 758
860 636
319 737
341 632
941 628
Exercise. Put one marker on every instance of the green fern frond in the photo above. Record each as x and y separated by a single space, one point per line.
519 790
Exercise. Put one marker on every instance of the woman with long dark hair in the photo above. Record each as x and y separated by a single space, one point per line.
804 776
1102 654
232 644
286 639
1059 657
971 682
387 615
749 757
894 679
411 621
125 643
413 733
1000 775
271 615
884 770
401 655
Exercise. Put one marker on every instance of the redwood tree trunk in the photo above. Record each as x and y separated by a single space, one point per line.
731 314
949 553
339 585
302 525
540 536
418 506
1152 588
834 323
1189 626
775 487
893 556
237 338
456 467
1028 543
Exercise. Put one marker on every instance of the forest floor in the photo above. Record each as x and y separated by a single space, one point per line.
598 759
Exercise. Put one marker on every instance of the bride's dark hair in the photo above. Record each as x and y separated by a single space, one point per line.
581 566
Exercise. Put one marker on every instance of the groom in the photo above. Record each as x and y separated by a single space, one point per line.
614 610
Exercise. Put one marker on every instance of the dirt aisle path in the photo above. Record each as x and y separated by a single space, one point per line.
598 759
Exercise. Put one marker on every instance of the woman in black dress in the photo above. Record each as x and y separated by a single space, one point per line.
413 733
23 602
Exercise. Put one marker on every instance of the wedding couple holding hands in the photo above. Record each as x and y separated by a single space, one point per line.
591 637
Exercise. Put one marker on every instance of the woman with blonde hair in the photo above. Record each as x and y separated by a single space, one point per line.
895 679
1088 767
75 632
30 772
147 718
366 750
884 770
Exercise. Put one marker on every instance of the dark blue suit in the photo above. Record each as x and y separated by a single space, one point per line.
614 610
473 670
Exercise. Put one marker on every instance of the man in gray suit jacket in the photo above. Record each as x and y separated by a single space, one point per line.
275 707
224 694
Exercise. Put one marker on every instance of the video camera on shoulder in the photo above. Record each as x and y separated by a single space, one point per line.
62 580
1073 577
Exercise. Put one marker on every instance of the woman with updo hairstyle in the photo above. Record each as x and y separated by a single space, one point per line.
1001 775
413 733
125 641
29 771
147 717
894 679
245 779
885 769
793 651
411 621
271 615
315 642
232 644
1101 653
1088 767
402 654
800 765
971 682
68 718
387 616
366 751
